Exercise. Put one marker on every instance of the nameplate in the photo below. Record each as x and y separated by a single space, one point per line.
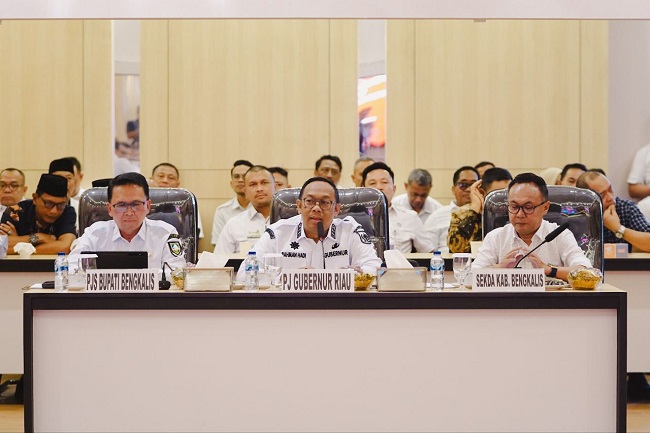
508 280
122 280
318 280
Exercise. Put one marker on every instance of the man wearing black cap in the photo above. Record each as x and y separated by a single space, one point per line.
46 221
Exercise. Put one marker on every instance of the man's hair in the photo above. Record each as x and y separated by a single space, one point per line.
483 164
530 178
588 176
240 162
166 164
495 174
570 166
420 177
599 170
130 178
363 158
320 179
14 169
376 166
462 169
336 160
75 162
281 171
257 169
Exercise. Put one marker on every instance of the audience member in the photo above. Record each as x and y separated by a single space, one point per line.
281 177
122 162
133 130
46 221
638 182
438 223
249 225
234 206
550 175
505 246
316 238
78 190
407 232
64 167
570 174
467 221
359 165
418 186
329 167
12 187
482 167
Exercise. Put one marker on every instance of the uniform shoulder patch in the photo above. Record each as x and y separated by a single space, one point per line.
363 236
270 232
174 245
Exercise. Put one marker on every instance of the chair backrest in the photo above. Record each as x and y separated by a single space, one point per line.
582 208
366 205
176 206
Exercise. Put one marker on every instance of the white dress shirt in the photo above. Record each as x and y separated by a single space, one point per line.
640 172
438 226
407 231
74 202
221 216
248 226
562 251
430 206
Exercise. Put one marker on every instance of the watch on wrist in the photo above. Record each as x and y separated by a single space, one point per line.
553 272
33 239
620 232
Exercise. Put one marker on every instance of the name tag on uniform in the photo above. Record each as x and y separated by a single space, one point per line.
121 280
508 280
318 280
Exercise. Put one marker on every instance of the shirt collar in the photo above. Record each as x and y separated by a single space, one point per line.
142 233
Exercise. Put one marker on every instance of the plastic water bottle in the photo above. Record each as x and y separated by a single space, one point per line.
437 269
252 268
60 273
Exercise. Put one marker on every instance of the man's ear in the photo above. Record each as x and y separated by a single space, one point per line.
406 186
337 209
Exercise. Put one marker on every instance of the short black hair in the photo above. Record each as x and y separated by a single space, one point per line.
495 174
530 178
336 160
240 162
130 178
376 166
483 164
570 166
462 169
320 179
166 164
281 171
75 162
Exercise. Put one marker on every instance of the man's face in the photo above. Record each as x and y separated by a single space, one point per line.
128 207
417 195
12 187
329 170
571 177
381 180
72 183
320 192
602 186
529 217
237 179
461 189
281 182
357 176
259 188
166 177
78 177
48 208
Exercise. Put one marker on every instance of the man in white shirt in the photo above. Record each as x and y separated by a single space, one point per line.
12 187
505 246
639 178
438 223
417 198
130 230
234 206
78 190
407 232
249 225
329 167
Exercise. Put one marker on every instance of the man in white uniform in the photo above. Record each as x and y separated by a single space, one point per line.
407 232
418 186
505 246
316 238
639 179
249 225
234 206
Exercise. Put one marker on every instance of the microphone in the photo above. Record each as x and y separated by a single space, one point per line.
321 230
163 284
549 237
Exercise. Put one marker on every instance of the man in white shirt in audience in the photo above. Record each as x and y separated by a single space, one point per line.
234 206
417 197
12 187
407 232
329 167
248 226
281 177
639 179
357 172
438 223
570 174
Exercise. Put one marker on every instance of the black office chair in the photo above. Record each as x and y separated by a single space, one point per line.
176 206
366 205
582 208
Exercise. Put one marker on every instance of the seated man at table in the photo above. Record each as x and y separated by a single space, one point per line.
46 221
505 246
130 229
316 238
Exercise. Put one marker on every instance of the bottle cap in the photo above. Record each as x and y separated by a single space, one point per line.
60 253
252 253
437 253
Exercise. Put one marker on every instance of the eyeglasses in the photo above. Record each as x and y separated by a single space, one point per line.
528 209
323 204
11 186
463 185
136 206
50 204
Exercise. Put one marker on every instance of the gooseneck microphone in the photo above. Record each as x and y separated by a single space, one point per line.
549 237
321 230
163 284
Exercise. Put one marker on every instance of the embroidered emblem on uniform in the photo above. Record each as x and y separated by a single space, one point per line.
335 246
362 235
295 245
333 231
174 244
299 231
270 232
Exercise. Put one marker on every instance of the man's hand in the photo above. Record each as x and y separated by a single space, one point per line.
476 196
8 229
611 219
536 261
511 259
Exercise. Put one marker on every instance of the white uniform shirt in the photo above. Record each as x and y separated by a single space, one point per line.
346 244
640 172
152 237
438 226
74 202
430 206
407 231
248 226
562 251
223 213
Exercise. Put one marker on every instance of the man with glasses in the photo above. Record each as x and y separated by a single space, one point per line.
12 187
505 246
329 167
130 230
234 206
316 238
46 221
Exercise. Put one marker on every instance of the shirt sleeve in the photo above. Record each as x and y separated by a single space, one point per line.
66 223
488 254
217 225
81 244
362 252
226 243
422 239
570 253
464 227
636 220
638 171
